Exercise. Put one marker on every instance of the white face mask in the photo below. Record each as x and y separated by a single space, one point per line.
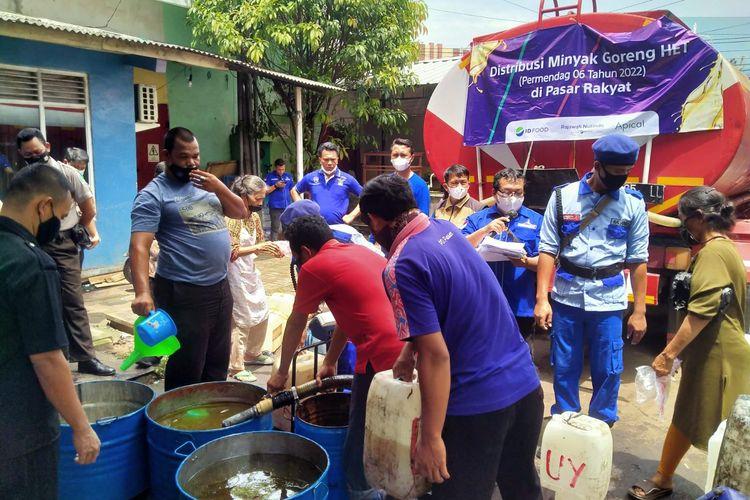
400 164
508 204
458 192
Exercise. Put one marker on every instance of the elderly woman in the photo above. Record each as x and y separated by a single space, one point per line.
710 341
250 313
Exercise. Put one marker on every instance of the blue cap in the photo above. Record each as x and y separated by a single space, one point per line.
299 209
616 149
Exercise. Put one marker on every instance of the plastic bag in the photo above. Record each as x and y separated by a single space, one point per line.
645 384
649 387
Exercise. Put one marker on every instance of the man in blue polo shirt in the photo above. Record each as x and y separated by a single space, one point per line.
329 187
402 155
280 185
509 220
482 403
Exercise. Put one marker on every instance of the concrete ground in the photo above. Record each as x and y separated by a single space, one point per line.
637 437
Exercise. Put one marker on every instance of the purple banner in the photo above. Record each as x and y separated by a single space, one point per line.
572 82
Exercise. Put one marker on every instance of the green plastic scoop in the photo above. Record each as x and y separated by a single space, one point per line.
166 347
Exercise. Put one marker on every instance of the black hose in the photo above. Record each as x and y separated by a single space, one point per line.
285 398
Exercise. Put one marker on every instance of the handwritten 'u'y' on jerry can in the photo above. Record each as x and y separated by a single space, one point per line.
576 457
391 431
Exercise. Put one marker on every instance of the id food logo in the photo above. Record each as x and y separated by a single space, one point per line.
534 130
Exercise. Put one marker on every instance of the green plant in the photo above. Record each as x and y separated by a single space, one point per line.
363 46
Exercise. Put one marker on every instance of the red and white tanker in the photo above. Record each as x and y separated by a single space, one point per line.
670 163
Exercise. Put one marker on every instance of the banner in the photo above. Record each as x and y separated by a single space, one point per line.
572 82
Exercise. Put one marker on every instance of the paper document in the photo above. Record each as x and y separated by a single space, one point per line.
492 250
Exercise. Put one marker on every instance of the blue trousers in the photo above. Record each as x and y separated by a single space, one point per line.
572 329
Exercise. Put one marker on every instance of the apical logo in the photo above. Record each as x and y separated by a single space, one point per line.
519 131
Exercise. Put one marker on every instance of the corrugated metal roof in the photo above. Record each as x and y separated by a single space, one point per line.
432 72
121 42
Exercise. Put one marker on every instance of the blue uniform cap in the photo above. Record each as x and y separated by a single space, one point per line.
299 209
616 149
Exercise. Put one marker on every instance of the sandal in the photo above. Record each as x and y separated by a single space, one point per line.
650 491
245 376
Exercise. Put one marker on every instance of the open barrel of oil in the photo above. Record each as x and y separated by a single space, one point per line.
324 418
181 420
267 465
115 410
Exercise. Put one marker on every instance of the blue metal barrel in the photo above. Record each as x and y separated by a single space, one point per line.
251 443
324 418
168 447
115 409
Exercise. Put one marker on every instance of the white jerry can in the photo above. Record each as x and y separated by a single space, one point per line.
714 445
391 431
576 457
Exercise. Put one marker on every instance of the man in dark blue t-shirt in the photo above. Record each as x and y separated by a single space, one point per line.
280 185
482 403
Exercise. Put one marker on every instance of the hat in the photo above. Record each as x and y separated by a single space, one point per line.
616 149
299 209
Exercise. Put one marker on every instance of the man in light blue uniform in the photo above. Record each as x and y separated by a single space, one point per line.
509 220
589 296
329 187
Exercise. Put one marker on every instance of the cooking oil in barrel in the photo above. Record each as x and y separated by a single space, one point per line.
254 477
202 417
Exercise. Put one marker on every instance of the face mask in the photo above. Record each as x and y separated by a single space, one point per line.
255 209
48 229
42 158
508 204
458 192
612 182
400 164
329 172
182 174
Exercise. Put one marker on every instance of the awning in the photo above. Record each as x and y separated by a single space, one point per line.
46 30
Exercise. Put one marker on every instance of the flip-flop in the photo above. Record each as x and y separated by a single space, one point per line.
650 491
245 376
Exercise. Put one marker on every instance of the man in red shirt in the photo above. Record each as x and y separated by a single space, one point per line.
349 279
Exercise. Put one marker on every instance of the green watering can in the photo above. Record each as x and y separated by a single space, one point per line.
154 336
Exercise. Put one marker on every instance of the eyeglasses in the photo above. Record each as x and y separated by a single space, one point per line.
507 194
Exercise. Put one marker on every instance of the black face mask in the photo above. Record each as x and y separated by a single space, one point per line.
42 158
612 182
182 174
259 208
48 229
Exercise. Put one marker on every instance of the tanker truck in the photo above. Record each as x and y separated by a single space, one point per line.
536 97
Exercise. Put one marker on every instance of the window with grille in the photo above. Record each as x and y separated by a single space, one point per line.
148 108
54 102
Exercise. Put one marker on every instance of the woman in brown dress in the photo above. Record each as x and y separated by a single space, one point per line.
710 341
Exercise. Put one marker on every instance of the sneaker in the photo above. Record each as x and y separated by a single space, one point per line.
264 359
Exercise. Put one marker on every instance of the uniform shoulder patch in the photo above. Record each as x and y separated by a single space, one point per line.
635 193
